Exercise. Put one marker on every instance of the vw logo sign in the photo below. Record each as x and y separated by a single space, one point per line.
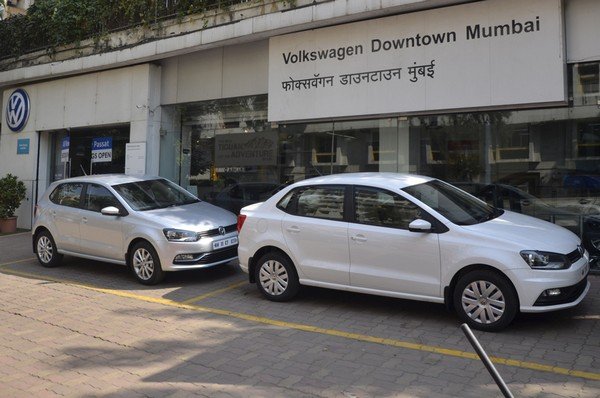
17 110
222 230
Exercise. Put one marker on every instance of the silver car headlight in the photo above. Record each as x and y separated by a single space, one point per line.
179 235
545 260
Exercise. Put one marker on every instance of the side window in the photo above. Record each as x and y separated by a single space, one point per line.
382 208
67 194
320 202
97 197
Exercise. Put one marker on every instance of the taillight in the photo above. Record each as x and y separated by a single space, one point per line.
240 222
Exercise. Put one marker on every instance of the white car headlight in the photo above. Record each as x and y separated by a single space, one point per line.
179 235
545 260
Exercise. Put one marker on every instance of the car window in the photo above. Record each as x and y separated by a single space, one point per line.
383 208
319 201
68 194
97 197
154 194
457 206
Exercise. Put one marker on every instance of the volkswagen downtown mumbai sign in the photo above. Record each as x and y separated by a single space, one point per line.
17 110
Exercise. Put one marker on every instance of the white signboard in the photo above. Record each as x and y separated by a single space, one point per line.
135 158
64 149
484 54
102 149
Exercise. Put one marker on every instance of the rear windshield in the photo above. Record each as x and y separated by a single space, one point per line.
154 194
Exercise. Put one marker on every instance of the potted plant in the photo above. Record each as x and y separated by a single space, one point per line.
12 192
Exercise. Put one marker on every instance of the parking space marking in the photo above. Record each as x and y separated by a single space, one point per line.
214 293
315 329
16 262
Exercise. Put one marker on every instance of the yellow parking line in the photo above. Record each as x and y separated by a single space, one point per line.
214 293
319 330
16 262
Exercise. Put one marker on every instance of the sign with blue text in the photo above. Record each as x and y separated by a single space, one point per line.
23 146
484 54
64 149
102 149
17 110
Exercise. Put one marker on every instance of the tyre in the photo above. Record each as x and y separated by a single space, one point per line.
145 264
276 277
485 300
46 251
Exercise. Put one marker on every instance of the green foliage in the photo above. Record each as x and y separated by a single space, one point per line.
12 192
51 23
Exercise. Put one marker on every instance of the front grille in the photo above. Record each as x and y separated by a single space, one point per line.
229 253
215 231
574 256
567 295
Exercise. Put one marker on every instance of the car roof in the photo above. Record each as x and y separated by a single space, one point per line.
387 180
110 179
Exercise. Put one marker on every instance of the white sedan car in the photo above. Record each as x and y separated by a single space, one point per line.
411 237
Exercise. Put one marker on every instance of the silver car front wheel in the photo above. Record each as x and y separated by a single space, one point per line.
146 264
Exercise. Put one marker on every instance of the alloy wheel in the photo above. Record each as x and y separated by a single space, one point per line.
45 250
483 302
273 277
143 264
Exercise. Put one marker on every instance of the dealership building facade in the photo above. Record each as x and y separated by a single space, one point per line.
500 97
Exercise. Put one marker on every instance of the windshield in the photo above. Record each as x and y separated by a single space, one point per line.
154 194
453 203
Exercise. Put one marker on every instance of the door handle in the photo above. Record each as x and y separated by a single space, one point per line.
359 238
293 229
84 220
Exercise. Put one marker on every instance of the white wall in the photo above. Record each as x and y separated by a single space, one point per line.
223 72
126 95
582 19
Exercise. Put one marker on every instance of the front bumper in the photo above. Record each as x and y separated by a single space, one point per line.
202 253
531 284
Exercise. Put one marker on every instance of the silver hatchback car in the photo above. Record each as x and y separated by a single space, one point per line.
147 223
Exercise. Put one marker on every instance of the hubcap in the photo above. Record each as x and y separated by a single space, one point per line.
143 264
44 249
273 277
483 302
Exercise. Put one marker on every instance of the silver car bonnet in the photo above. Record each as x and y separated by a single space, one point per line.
196 217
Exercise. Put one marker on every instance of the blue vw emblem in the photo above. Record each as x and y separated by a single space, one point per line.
17 110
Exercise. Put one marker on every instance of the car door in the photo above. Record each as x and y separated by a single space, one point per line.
317 234
384 254
101 236
65 214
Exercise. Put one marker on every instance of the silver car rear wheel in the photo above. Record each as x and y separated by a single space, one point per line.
145 264
45 249
483 302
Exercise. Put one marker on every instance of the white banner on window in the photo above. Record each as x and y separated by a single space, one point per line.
485 54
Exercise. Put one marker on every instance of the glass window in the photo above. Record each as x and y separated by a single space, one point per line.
97 198
320 202
154 194
454 204
383 208
67 194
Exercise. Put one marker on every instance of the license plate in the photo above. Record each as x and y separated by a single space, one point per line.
219 244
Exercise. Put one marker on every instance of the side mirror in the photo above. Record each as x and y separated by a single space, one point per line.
419 225
111 211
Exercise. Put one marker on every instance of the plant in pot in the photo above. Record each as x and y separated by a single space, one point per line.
12 193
